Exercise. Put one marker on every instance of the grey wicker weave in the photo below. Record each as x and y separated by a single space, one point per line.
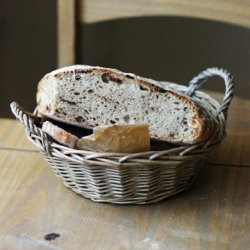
141 178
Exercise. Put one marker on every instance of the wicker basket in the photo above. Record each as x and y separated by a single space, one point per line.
140 178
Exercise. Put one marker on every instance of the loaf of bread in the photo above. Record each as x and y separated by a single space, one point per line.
89 96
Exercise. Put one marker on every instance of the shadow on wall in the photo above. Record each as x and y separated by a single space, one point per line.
170 49
162 48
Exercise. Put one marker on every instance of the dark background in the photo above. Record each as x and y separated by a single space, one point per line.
162 48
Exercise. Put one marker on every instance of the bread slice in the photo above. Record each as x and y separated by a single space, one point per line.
91 96
59 134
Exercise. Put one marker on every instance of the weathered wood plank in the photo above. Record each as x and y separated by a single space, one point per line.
234 150
12 136
212 214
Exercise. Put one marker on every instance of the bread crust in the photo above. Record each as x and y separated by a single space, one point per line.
59 134
79 75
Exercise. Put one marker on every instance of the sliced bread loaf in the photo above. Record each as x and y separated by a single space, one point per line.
90 96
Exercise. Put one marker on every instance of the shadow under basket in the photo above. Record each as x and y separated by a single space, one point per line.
140 178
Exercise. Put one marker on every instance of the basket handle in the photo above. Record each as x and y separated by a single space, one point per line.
28 119
197 81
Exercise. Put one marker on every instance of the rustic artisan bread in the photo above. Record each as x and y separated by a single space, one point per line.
90 96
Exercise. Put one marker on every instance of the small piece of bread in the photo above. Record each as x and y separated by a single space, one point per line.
92 96
59 134
117 138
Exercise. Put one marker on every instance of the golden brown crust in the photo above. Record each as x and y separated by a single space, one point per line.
207 124
59 134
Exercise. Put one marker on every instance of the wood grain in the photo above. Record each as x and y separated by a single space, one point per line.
234 12
12 136
212 214
234 150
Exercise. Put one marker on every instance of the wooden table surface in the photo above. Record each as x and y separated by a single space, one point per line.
212 214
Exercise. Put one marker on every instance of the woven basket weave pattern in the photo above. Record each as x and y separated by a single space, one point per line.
140 178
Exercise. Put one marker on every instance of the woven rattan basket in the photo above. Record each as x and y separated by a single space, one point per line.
140 178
